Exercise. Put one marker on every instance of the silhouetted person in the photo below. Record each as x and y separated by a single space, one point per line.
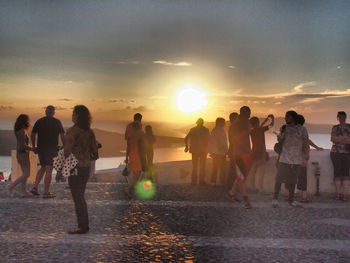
129 129
259 154
47 130
218 147
150 140
243 157
134 156
295 153
80 141
21 128
340 155
302 179
231 150
198 138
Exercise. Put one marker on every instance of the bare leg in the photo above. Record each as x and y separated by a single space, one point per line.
48 177
346 187
39 176
338 187
21 180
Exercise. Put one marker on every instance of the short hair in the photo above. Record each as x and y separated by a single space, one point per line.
200 121
244 111
341 113
293 114
219 121
233 115
137 117
254 121
300 120
50 109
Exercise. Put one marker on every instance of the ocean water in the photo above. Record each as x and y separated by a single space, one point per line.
171 154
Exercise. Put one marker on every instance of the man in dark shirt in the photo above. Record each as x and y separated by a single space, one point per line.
198 137
47 130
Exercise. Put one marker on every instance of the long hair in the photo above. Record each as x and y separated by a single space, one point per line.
83 117
22 122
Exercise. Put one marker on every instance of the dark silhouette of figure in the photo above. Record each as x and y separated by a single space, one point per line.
231 154
21 128
80 141
340 156
242 153
218 147
198 138
150 140
47 130
295 153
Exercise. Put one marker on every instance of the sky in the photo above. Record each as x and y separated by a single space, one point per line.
122 57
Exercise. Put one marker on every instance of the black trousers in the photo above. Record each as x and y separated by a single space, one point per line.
77 186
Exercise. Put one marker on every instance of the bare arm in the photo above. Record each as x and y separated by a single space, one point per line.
62 138
68 144
314 145
33 139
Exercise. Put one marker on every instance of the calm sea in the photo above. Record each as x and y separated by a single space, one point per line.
170 154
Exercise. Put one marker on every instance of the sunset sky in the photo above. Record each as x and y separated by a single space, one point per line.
120 57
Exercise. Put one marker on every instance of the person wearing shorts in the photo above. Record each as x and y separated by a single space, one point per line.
259 154
46 130
340 156
295 153
242 156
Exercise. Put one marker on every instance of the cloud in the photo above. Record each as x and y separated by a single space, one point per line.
128 62
116 100
178 64
300 87
139 108
65 99
310 100
120 101
6 108
231 67
56 108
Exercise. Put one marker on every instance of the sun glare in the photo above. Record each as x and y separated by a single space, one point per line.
191 99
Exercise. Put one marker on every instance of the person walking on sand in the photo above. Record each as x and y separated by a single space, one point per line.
259 154
196 142
47 130
295 153
80 141
340 156
218 147
21 128
243 157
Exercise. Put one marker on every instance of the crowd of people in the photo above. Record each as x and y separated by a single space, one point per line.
243 144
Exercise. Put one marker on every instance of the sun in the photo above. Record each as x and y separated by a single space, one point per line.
191 99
